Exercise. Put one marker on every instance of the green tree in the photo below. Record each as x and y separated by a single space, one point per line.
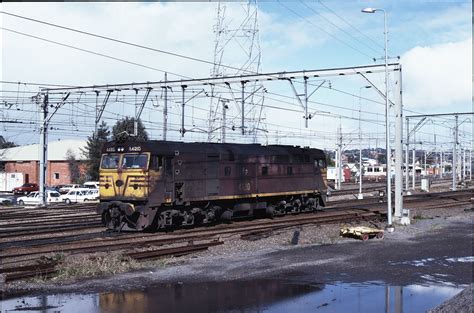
123 129
93 150
381 158
6 144
73 167
329 161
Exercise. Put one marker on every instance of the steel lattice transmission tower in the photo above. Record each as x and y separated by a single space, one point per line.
237 44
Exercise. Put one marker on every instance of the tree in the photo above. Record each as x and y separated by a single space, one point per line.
6 144
123 129
93 150
73 167
381 158
329 160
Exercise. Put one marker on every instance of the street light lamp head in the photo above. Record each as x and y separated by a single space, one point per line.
368 10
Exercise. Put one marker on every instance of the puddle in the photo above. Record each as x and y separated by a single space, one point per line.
275 296
439 261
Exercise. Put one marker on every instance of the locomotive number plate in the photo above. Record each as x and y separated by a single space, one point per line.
244 186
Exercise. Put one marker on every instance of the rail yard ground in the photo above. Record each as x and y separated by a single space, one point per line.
435 252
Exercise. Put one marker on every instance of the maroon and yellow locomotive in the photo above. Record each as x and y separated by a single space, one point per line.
158 184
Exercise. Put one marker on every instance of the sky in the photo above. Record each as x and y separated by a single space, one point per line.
432 39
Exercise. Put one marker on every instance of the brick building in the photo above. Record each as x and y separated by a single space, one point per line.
25 160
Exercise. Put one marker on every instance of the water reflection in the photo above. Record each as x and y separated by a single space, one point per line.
273 296
369 297
204 297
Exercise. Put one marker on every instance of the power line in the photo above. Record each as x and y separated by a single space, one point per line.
91 52
122 42
323 30
350 25
335 25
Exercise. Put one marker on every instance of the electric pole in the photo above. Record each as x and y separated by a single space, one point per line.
44 149
455 152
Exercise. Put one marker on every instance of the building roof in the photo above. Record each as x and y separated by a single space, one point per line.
57 151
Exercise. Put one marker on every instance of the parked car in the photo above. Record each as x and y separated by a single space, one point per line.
33 198
91 184
56 187
78 195
93 194
25 189
5 201
66 188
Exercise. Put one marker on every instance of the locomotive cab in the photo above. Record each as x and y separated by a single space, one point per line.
124 176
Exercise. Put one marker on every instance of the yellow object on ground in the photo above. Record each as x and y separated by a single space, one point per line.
362 232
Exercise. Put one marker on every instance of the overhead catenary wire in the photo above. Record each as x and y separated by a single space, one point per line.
122 41
349 24
324 31
339 28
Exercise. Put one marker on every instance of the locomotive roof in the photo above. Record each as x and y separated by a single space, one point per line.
169 147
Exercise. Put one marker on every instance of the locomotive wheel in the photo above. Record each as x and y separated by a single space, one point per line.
161 222
226 216
270 211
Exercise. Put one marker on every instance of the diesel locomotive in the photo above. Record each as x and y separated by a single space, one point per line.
160 184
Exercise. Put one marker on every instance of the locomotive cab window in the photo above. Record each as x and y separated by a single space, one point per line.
264 170
319 163
110 161
168 166
135 161
157 162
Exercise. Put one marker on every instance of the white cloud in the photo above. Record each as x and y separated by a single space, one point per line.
438 76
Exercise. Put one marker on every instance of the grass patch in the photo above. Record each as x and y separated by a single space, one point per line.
83 266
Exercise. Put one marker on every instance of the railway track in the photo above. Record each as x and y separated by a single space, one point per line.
24 242
353 188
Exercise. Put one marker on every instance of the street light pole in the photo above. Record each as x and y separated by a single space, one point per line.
360 196
387 121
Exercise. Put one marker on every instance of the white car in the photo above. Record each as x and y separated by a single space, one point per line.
34 199
5 201
66 188
91 184
78 195
93 194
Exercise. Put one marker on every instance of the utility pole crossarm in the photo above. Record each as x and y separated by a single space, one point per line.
296 93
234 98
418 126
100 109
316 89
376 89
212 81
60 104
142 105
